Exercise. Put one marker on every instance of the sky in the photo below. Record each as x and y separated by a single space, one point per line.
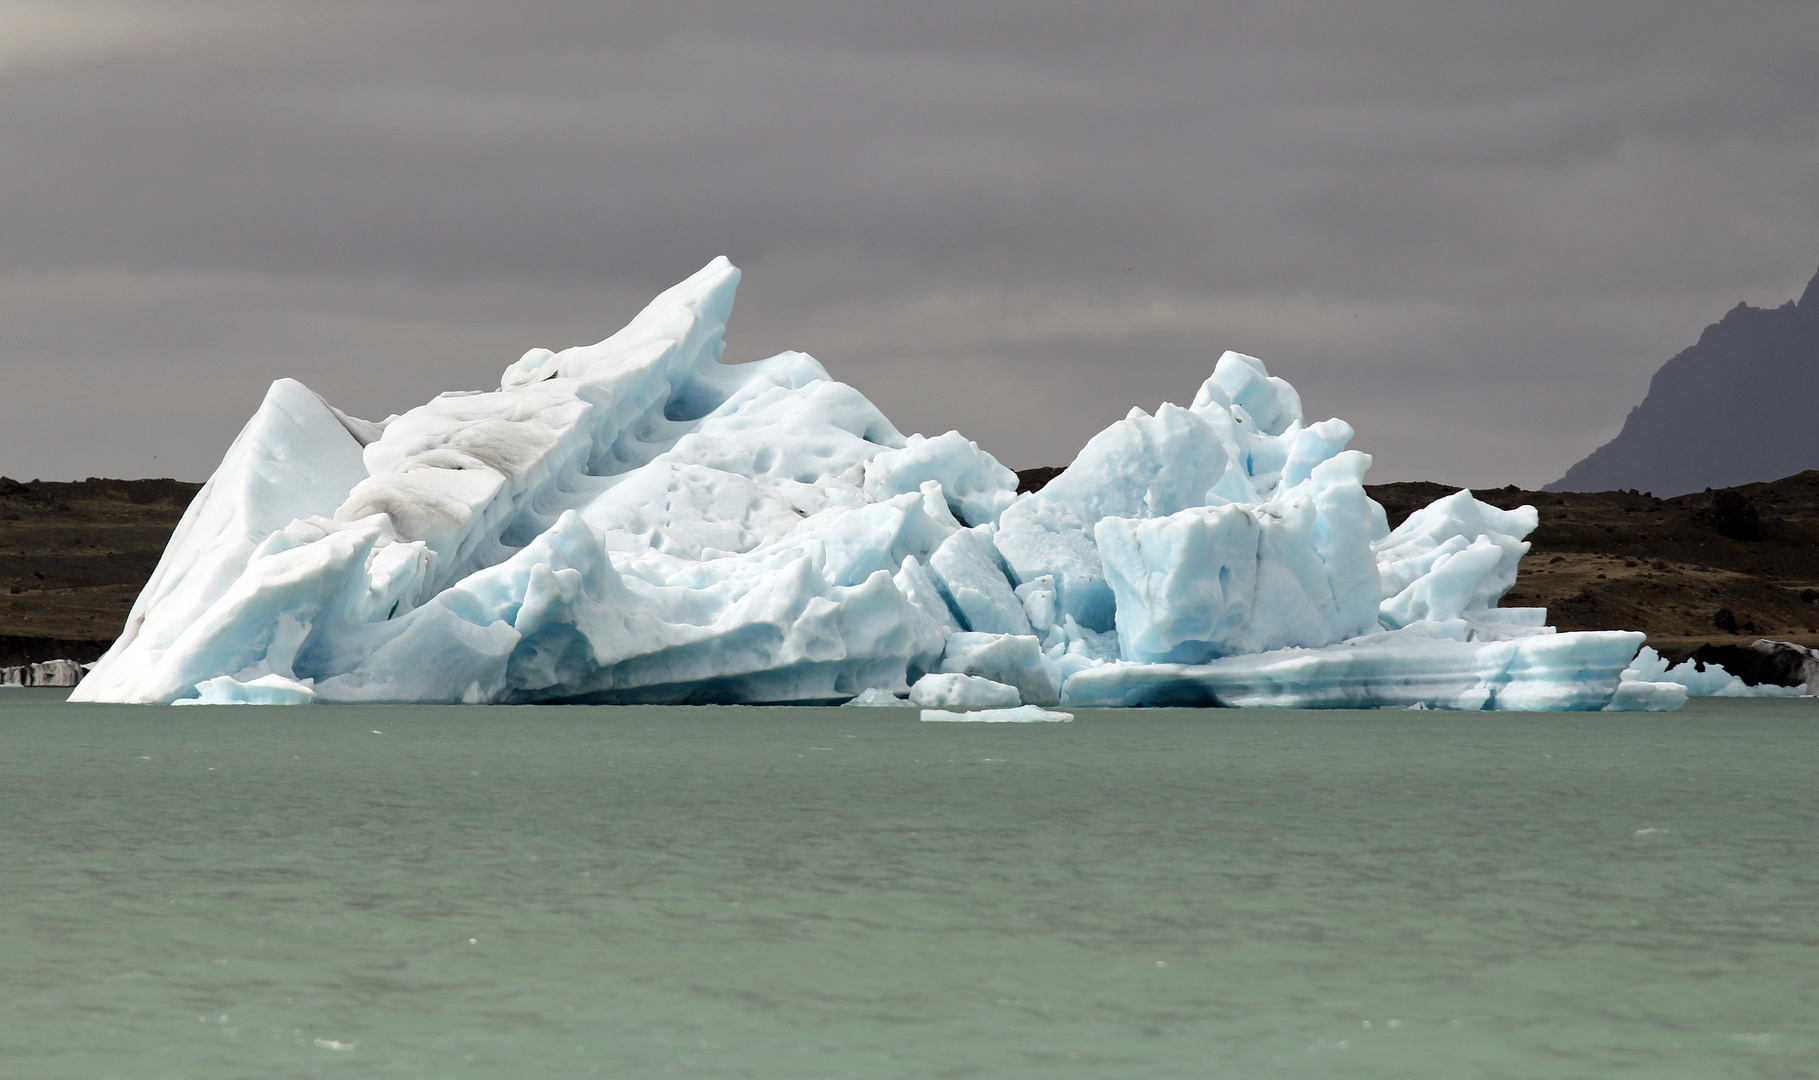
1472 229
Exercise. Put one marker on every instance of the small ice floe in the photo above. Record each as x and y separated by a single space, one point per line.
270 689
334 1044
48 673
1023 714
955 690
877 698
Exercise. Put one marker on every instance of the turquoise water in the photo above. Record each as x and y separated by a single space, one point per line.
723 892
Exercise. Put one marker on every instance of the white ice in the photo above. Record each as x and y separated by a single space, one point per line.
1023 714
1649 684
634 521
265 690
874 698
951 690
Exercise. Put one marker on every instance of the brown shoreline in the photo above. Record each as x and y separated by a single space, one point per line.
73 556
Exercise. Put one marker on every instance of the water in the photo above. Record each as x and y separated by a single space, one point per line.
705 893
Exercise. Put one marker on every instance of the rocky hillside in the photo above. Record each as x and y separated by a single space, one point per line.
1725 566
73 557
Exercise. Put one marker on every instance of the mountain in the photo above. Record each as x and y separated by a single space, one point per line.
1738 407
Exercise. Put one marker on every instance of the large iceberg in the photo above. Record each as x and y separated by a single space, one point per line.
634 521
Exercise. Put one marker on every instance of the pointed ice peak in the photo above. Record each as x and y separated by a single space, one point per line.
1243 381
682 325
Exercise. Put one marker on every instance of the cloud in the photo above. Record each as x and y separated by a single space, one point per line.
35 34
1473 229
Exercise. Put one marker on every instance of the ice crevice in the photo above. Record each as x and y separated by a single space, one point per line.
635 521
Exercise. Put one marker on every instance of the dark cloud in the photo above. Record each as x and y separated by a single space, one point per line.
1473 229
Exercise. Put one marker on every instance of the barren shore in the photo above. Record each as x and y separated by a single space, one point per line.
1686 571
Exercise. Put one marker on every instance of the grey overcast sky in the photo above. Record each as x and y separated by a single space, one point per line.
1472 229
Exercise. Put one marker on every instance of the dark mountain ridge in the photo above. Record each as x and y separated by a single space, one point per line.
1736 408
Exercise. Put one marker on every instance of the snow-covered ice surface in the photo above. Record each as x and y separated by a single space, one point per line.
634 521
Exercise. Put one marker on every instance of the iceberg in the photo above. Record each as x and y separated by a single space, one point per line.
636 522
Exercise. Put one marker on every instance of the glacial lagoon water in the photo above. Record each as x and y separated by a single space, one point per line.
736 892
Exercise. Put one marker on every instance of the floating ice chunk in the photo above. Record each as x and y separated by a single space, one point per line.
873 697
951 690
265 690
634 521
1027 714
1644 696
1014 659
